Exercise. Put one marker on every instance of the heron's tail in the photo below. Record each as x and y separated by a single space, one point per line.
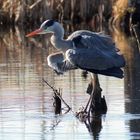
115 72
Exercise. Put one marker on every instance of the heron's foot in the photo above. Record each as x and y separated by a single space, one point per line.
82 115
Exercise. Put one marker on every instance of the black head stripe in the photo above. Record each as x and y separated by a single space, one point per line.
47 23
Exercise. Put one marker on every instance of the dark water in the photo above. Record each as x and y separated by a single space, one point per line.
26 104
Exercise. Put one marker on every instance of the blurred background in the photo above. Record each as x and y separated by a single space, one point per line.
32 12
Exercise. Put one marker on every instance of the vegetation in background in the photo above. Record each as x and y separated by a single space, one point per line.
26 12
119 10
19 11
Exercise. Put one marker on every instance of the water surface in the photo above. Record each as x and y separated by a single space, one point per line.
26 104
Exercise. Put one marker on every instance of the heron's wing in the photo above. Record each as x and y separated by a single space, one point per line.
94 58
97 51
58 62
97 41
87 39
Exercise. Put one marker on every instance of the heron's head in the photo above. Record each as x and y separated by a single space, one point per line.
48 26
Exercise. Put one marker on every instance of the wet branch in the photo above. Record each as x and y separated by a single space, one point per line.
57 93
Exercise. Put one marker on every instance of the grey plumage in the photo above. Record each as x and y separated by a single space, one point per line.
95 59
58 62
94 52
89 50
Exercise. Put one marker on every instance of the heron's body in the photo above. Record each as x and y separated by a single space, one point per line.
94 52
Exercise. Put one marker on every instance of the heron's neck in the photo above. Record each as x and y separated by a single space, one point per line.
58 42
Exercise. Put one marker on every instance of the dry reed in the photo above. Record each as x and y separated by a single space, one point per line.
35 11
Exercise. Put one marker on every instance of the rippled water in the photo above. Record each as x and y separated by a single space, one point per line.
26 104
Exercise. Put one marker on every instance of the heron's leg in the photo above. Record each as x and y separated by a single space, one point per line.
95 97
96 104
96 100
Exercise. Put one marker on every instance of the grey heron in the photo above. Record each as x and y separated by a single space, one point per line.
90 51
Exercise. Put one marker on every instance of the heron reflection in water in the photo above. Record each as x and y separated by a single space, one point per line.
86 50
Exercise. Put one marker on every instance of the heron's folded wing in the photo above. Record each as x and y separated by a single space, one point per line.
87 39
93 58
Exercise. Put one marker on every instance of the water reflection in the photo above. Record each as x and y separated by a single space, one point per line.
132 82
26 105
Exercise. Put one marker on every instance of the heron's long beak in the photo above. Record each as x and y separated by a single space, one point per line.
38 31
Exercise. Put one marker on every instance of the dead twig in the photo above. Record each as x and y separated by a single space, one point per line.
57 94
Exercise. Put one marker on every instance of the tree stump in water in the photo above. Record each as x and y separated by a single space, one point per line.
98 103
57 104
